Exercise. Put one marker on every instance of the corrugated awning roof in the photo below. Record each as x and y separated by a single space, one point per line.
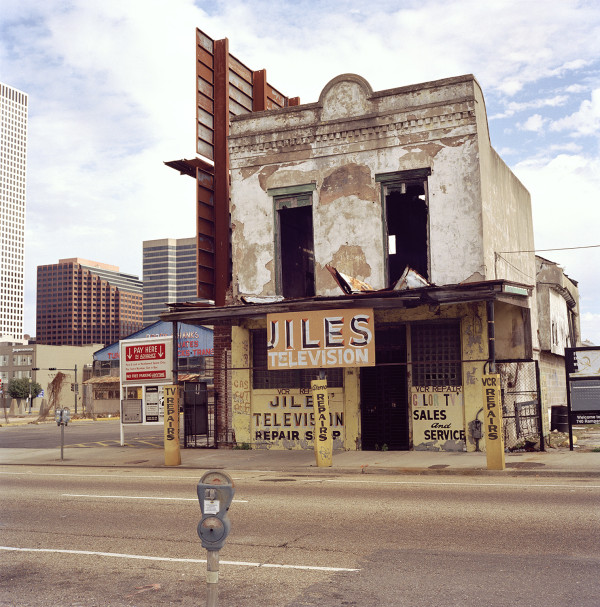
501 290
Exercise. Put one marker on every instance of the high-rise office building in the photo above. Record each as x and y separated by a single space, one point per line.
169 274
13 161
82 302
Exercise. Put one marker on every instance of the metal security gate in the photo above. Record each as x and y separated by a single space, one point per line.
198 415
384 395
521 405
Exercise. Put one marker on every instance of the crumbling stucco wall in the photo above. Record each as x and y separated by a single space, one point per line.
340 144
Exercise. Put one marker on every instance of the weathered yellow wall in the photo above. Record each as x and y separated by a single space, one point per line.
268 419
511 332
475 349
284 418
241 384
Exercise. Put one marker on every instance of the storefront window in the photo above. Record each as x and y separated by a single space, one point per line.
263 379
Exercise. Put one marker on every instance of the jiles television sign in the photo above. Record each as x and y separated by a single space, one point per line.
321 339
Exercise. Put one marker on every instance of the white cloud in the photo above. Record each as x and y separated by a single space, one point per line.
589 327
564 191
112 95
534 123
586 121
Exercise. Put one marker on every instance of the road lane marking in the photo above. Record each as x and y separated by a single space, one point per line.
175 560
142 497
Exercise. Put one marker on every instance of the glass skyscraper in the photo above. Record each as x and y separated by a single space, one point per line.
169 274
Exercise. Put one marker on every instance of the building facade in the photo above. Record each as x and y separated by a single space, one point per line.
393 206
41 363
559 327
13 174
82 302
170 274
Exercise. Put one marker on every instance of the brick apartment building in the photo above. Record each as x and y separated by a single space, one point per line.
83 302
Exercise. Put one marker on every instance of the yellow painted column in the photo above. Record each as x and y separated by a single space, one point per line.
241 385
492 415
172 452
351 408
323 437
474 351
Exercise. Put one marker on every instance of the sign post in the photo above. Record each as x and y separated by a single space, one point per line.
582 365
323 438
146 364
494 435
172 452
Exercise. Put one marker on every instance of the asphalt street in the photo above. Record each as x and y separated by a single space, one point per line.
80 433
124 536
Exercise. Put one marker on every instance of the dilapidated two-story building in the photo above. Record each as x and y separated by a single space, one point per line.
393 205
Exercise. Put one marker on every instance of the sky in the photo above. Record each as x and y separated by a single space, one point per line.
111 88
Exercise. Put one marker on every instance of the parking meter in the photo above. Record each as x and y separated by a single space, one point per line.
215 493
62 416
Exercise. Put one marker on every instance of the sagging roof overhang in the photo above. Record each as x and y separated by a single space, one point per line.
492 290
188 166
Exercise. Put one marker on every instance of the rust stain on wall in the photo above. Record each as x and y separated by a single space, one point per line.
264 175
247 172
348 180
473 327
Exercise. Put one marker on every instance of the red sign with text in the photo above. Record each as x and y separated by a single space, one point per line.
144 361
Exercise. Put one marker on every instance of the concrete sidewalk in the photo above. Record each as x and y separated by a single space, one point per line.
553 462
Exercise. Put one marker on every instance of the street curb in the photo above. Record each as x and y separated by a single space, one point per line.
312 472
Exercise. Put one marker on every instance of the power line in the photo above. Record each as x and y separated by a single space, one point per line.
592 246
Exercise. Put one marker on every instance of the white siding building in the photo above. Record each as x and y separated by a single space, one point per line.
13 161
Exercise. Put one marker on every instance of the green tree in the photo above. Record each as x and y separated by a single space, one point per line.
18 387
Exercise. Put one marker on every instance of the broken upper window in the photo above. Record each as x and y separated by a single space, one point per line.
294 241
406 219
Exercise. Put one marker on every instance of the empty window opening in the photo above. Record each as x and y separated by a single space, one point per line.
297 259
406 222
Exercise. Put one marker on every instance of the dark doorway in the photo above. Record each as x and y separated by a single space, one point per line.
198 416
406 220
384 394
296 250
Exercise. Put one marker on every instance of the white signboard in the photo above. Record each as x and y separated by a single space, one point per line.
148 360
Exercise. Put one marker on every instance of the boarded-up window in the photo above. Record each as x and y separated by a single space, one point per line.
436 354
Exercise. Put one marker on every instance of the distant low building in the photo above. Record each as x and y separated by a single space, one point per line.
41 363
195 363
558 327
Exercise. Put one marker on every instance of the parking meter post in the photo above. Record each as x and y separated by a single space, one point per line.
212 578
215 494
62 440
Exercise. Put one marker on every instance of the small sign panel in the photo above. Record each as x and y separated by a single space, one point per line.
211 506
131 411
152 404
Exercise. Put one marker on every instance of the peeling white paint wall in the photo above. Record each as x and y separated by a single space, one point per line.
341 144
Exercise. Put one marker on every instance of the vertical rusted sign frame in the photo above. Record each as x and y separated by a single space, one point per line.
224 87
